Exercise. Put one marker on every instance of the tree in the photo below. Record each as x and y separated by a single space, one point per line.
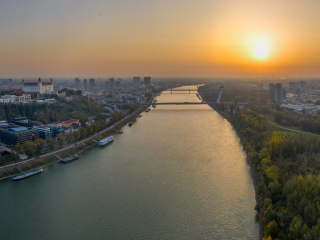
89 130
16 150
39 145
297 228
83 132
95 127
272 172
76 135
70 138
279 117
61 139
52 143
4 160
29 148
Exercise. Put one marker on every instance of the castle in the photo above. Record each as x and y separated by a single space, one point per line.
38 87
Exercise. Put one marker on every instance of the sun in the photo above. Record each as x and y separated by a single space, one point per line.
260 50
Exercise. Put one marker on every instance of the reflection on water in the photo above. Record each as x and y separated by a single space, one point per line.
178 173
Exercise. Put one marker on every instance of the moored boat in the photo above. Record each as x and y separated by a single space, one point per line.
132 122
105 141
28 174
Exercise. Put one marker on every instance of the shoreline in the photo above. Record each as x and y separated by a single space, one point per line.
252 173
49 159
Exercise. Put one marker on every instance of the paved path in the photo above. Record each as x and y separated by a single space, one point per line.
288 129
75 144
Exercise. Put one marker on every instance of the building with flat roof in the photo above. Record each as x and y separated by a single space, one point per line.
136 81
17 135
44 131
277 94
19 98
147 81
77 81
301 85
91 82
111 83
299 107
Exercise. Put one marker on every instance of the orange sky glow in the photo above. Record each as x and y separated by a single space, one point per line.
180 38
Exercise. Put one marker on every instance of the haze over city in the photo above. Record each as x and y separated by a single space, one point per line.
159 38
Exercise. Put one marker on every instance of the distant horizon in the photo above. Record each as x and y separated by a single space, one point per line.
262 79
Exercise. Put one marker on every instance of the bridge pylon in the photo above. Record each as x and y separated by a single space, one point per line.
221 87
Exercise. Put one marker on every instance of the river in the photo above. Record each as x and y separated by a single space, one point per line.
178 173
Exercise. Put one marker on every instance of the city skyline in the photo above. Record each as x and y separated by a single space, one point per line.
162 39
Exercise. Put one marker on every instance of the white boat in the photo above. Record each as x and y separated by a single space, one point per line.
28 174
105 141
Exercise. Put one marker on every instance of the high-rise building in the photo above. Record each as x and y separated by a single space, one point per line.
106 84
91 82
277 94
118 83
85 82
136 81
260 86
111 83
77 81
302 85
147 81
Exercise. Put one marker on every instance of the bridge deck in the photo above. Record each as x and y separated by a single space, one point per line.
180 90
178 103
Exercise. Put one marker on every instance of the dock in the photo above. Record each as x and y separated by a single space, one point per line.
70 158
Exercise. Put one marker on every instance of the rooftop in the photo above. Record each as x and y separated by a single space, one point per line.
68 122
18 129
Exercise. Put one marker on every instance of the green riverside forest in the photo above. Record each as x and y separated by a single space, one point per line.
286 165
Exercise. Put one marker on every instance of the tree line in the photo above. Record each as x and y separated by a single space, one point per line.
286 166
290 118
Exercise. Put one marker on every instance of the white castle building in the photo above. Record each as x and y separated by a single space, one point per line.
38 87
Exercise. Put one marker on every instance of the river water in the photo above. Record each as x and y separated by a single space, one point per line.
178 173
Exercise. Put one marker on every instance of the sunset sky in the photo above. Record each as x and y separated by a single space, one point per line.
167 38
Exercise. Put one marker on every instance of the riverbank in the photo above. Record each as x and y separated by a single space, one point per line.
49 159
252 170
255 184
